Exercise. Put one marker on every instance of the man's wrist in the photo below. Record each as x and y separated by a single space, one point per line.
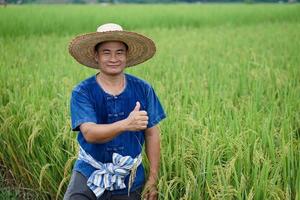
153 177
122 124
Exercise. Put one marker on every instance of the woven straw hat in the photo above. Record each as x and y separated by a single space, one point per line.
140 48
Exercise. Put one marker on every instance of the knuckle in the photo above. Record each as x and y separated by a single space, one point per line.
143 112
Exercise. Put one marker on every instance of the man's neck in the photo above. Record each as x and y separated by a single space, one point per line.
111 80
112 84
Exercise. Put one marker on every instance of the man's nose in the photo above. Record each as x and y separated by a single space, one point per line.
113 58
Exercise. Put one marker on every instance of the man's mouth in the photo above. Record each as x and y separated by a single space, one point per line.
113 65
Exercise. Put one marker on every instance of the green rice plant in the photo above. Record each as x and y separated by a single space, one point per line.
227 75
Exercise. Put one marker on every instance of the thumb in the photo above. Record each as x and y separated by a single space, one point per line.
137 106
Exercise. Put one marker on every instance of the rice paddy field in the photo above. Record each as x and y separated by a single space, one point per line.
228 76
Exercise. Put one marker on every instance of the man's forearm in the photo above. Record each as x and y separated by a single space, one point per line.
101 133
152 140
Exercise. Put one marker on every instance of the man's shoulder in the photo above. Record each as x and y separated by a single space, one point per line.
138 81
85 85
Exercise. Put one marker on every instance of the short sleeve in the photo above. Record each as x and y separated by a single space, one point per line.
155 110
82 109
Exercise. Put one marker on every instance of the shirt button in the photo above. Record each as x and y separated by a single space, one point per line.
115 97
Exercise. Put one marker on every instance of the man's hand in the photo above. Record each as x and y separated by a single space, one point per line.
137 119
151 192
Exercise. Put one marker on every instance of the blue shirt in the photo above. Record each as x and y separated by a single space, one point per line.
90 103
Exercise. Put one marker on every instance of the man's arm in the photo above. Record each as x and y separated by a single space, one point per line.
152 140
101 133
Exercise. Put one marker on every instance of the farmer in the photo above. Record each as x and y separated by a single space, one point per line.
115 113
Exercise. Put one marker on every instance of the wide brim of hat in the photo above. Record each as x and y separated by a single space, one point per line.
140 48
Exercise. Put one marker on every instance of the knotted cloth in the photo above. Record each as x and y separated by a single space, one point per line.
109 176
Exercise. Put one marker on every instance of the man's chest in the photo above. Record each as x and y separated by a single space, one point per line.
110 108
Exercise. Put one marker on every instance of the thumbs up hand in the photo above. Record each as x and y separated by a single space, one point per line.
137 119
137 106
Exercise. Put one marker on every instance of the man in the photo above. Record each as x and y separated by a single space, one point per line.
115 113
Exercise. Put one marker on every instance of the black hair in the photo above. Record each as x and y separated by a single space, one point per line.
98 45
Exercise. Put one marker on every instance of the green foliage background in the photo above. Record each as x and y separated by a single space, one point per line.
227 75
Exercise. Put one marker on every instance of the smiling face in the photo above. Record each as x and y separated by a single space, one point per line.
111 57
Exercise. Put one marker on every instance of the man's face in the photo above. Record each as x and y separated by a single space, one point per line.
111 57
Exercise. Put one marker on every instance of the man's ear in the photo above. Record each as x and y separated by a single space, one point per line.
96 56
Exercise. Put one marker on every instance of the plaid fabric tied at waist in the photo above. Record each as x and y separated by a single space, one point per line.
109 176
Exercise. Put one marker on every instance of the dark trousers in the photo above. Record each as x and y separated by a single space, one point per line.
78 190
